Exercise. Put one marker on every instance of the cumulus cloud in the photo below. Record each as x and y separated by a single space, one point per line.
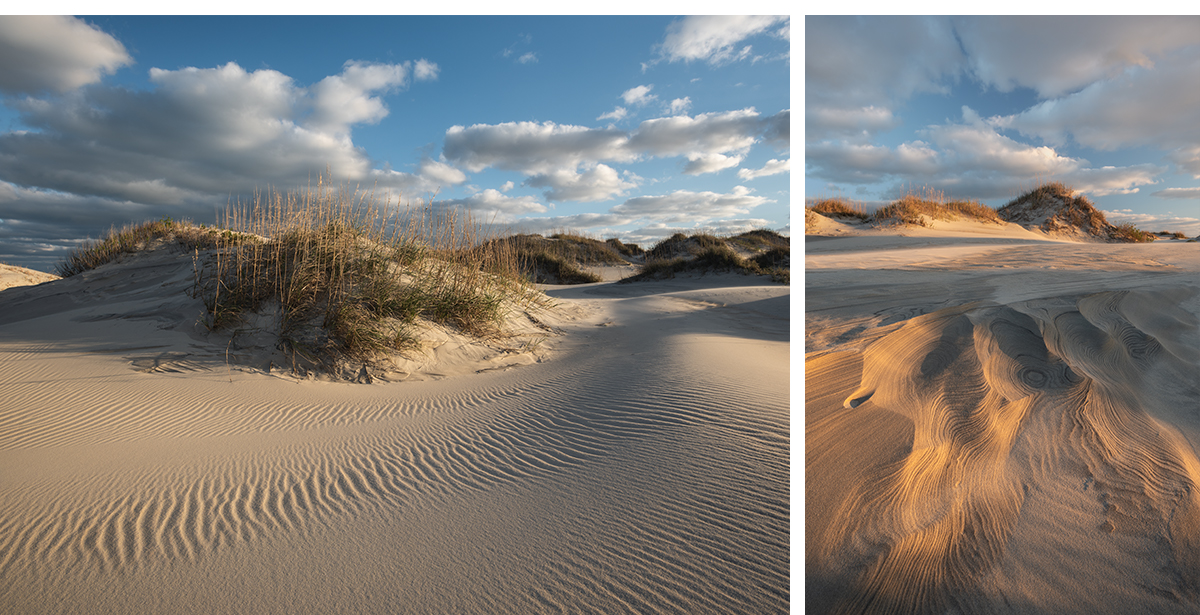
680 105
1187 159
54 54
494 202
1159 107
706 133
598 183
615 115
204 132
699 164
854 62
773 167
828 122
506 186
639 95
424 70
528 58
714 38
1057 55
545 148
684 206
345 99
532 147
970 160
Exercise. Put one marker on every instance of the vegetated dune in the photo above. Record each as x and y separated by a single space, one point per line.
1051 209
1001 426
636 459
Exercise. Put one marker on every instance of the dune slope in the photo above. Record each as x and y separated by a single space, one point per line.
1036 455
641 465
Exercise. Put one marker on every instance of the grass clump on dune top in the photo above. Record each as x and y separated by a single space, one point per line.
839 207
348 277
933 204
339 277
703 252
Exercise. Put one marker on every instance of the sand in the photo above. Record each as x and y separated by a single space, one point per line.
12 276
997 421
635 460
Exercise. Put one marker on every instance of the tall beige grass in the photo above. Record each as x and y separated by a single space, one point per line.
349 273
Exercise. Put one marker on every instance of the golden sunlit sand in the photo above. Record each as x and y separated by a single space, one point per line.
999 420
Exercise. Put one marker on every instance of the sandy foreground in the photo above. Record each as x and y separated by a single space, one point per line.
999 422
635 461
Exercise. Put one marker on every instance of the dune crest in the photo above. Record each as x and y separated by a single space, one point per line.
1068 408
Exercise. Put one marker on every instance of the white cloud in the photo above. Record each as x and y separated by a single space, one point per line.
707 133
553 153
528 58
1138 107
681 105
1177 193
1057 55
342 100
650 234
699 164
853 62
828 122
968 160
424 70
686 206
616 114
532 147
200 133
1155 222
773 167
55 54
440 172
639 95
598 183
506 186
491 202
576 222
1187 159
713 38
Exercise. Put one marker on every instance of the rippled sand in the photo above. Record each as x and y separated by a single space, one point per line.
1001 424
641 466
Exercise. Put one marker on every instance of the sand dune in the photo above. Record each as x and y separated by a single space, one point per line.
1009 429
638 463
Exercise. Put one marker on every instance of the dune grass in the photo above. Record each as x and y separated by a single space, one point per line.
1077 211
933 203
342 276
556 259
703 252
839 207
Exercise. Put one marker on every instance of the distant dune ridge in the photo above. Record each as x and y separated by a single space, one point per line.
1001 422
1051 208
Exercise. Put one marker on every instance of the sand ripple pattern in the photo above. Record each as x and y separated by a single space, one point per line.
714 550
1004 401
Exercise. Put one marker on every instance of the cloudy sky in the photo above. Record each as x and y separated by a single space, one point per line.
617 126
986 107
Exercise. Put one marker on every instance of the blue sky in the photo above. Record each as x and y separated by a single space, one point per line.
634 127
986 107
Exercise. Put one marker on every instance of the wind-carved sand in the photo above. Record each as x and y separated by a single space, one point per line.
636 461
991 432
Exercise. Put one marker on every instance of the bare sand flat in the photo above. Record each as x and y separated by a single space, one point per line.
1000 422
637 461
